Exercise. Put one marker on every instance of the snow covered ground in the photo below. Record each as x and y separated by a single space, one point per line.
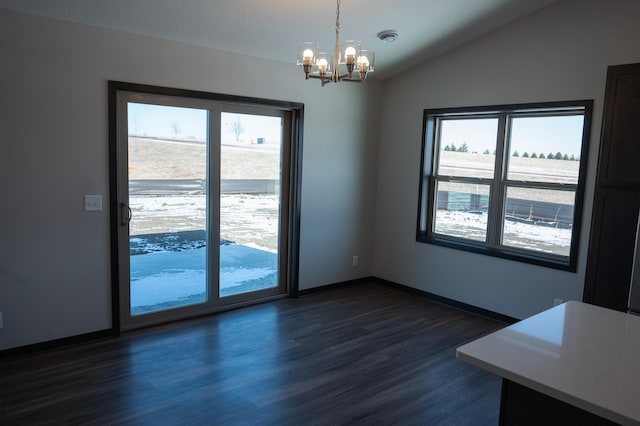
248 219
169 253
167 279
545 239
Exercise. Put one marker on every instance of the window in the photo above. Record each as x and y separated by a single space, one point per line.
506 180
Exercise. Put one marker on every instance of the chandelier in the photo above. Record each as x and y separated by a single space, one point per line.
321 65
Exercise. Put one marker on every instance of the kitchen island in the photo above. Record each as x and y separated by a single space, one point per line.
572 364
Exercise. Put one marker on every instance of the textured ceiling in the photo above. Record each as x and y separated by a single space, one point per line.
273 29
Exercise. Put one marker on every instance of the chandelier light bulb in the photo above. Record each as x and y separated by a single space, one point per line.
307 56
363 63
349 54
322 66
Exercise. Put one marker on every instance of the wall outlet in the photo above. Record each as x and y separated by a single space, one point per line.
557 302
355 261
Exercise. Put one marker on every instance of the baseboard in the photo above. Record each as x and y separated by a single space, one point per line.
451 302
55 344
328 287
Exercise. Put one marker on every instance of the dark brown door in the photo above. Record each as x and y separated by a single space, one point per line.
617 195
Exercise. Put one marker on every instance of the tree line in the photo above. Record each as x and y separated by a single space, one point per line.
557 156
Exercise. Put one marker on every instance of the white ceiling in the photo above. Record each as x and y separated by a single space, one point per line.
273 29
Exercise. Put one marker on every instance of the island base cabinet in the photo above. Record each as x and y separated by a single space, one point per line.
523 406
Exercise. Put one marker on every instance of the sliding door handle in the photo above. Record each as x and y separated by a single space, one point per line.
125 214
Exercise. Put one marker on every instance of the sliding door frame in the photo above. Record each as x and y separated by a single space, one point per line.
291 173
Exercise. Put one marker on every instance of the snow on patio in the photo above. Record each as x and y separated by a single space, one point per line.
168 261
181 278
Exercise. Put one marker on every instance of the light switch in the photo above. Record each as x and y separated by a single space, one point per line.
92 203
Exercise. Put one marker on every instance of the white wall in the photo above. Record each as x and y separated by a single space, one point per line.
54 257
560 53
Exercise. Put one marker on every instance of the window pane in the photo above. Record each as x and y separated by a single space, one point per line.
167 184
467 147
250 181
539 220
461 210
545 149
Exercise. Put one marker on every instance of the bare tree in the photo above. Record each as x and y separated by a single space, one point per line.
237 128
175 128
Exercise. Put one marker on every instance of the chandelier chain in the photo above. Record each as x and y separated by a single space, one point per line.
335 75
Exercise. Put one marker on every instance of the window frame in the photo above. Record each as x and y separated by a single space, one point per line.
499 183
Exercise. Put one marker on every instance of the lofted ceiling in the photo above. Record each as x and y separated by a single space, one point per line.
273 29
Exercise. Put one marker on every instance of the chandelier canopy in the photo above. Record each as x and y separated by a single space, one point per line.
325 67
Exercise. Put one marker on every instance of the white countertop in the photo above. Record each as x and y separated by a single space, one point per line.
578 353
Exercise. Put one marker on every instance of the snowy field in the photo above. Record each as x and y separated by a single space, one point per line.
516 234
248 219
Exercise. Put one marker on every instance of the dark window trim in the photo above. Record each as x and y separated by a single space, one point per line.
426 204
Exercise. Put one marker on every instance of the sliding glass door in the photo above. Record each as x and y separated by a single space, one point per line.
203 205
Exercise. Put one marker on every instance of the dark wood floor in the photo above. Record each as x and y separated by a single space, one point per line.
366 354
